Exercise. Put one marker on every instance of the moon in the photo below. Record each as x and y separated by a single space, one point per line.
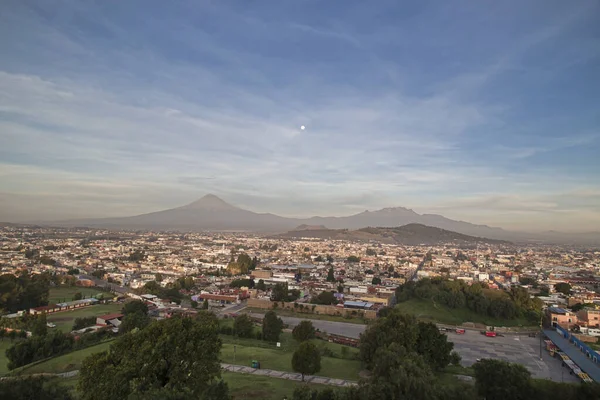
303 127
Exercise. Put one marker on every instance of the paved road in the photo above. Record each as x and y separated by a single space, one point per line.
336 328
292 376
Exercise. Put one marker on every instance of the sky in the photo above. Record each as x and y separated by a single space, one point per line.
483 111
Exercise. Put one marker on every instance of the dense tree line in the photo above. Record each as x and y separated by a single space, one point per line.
238 283
23 292
37 388
52 344
325 298
457 294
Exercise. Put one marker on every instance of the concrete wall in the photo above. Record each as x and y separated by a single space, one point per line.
318 309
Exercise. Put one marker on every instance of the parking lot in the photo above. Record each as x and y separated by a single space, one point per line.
520 349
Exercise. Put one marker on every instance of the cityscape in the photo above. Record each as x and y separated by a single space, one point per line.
299 200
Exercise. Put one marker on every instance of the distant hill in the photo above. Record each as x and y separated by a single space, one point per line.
210 213
305 227
411 234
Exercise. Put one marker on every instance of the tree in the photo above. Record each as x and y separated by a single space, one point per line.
371 252
73 271
171 358
205 304
137 256
134 320
77 296
304 331
272 327
134 306
325 298
526 280
455 358
243 326
404 330
261 285
329 258
376 280
330 276
280 292
24 291
38 388
353 259
194 304
399 374
39 327
306 359
158 277
499 380
563 288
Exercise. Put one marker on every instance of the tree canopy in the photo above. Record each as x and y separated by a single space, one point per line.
403 329
23 292
304 331
134 306
272 327
330 276
177 356
326 298
38 388
563 288
243 326
306 359
499 380
457 294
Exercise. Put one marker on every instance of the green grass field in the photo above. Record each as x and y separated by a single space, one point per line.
4 345
281 360
287 342
64 319
428 311
254 387
65 363
64 293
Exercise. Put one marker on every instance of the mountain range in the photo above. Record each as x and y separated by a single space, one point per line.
210 213
411 234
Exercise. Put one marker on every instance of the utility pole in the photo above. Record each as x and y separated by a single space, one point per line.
541 331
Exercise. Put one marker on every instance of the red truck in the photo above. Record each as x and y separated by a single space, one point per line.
490 333
460 331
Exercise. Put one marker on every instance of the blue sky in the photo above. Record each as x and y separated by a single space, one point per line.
483 111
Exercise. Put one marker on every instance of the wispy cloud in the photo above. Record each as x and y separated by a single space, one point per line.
106 116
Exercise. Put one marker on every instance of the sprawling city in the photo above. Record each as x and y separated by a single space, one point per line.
299 200
523 304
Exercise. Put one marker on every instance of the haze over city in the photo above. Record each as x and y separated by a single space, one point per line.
488 115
